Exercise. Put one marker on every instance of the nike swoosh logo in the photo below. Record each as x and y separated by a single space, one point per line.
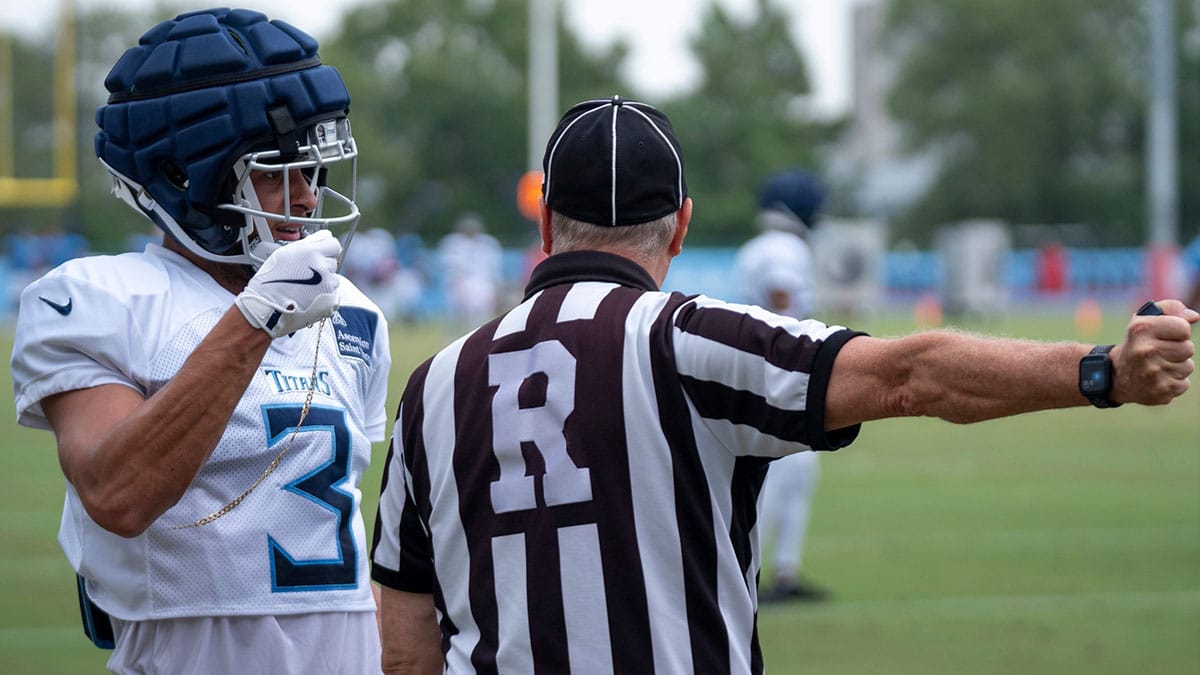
311 281
61 309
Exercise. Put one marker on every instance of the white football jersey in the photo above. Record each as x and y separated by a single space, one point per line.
296 544
781 261
475 257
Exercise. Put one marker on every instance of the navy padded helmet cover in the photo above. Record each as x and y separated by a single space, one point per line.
194 93
797 190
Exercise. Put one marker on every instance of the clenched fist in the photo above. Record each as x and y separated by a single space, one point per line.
295 287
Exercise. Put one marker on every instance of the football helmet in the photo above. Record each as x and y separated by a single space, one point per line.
209 97
790 200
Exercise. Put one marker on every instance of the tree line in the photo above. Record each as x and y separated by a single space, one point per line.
1035 112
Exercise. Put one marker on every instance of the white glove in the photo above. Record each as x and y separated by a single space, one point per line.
295 287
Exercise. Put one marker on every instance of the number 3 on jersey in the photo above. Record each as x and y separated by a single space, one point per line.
287 572
563 483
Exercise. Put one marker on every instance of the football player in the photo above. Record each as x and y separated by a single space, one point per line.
775 269
214 396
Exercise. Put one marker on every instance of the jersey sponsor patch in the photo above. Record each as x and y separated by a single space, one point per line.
354 328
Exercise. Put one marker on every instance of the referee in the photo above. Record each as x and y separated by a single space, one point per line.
572 487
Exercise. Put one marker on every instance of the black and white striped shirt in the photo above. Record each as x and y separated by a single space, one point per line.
576 480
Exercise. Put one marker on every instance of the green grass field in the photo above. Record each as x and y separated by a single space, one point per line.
1061 542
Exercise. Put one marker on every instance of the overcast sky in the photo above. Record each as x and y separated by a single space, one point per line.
659 61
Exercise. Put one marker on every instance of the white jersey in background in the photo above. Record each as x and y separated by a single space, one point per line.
777 260
471 264
296 544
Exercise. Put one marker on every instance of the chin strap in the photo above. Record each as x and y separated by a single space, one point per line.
285 132
132 193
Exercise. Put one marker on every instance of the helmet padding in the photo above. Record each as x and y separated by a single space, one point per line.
197 94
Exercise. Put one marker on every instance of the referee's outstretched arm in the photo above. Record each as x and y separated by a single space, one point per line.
968 378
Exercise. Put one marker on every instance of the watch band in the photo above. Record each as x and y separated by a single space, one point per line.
1101 399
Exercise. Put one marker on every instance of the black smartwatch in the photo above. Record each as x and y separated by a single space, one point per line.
1096 377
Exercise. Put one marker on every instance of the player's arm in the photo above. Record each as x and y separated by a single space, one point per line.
131 458
412 640
967 378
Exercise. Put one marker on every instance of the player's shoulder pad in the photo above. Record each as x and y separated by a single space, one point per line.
119 276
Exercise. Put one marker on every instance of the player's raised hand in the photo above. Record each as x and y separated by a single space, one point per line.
295 287
1153 363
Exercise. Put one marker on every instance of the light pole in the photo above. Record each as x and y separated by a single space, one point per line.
1162 149
543 76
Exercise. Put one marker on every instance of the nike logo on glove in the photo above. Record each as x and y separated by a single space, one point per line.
61 309
311 281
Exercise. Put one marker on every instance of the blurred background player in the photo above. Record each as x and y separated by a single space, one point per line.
775 271
378 271
1191 263
178 377
470 259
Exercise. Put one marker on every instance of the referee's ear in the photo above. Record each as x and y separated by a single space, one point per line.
682 217
544 219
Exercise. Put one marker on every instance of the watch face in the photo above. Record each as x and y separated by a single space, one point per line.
1093 375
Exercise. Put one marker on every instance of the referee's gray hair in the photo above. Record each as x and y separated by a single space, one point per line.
646 240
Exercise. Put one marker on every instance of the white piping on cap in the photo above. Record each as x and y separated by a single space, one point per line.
613 180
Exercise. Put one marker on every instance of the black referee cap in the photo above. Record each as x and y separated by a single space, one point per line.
613 162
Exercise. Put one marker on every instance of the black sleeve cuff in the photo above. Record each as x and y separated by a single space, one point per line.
411 583
818 383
